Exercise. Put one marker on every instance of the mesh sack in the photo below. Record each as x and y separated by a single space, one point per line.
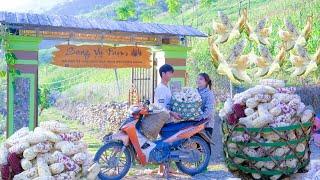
284 151
152 124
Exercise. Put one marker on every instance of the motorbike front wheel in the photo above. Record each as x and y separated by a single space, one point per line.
202 148
114 159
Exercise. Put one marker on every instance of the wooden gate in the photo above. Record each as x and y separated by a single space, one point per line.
145 81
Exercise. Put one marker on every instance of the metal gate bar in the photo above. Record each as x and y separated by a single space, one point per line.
145 81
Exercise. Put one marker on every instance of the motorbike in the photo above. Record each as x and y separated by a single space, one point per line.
186 143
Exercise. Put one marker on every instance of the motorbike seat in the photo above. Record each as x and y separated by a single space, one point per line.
177 126
172 128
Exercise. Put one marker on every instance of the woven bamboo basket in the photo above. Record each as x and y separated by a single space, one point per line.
152 124
248 164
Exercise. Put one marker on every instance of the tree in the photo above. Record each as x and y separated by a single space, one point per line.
173 6
205 3
43 98
127 10
150 2
148 12
147 15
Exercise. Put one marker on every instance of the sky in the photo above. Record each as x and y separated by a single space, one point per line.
35 6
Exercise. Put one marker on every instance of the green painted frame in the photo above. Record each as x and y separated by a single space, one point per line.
27 62
23 43
179 52
11 101
175 51
180 67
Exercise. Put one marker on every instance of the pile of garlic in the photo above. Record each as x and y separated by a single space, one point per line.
51 151
187 103
188 95
269 104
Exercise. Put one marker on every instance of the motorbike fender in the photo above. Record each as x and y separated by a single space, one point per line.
206 137
121 136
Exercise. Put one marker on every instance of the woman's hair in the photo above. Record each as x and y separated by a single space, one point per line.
207 79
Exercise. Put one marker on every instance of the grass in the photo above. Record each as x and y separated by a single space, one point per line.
89 134
62 78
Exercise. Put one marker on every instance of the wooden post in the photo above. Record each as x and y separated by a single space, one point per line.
22 87
117 79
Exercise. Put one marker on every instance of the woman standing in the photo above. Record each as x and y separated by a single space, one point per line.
204 84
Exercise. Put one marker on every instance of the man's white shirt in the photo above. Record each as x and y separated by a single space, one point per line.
162 96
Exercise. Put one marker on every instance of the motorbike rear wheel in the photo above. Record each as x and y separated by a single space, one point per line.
199 145
114 163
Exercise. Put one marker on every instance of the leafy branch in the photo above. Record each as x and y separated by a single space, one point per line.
11 61
127 10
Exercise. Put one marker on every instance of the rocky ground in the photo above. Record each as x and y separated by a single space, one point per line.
106 117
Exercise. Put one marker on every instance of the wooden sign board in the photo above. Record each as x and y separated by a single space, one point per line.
98 56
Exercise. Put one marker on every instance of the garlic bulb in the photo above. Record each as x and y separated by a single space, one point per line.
19 148
273 83
3 155
248 111
291 163
227 109
26 164
271 136
307 115
252 103
275 177
43 168
29 154
256 176
55 127
93 171
269 165
188 95
300 147
56 168
238 160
